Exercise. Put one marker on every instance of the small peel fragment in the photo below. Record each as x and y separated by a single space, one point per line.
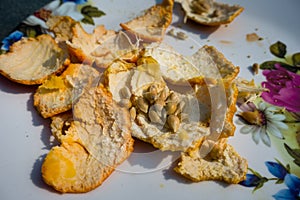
223 163
151 26
210 12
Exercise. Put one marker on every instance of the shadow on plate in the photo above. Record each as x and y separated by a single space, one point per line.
170 174
11 87
47 140
7 86
146 159
36 176
45 135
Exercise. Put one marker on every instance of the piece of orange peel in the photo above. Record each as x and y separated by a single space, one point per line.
209 12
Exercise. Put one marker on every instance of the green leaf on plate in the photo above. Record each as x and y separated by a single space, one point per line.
278 49
88 8
297 162
31 32
271 65
97 13
268 65
288 168
2 51
255 173
296 59
260 184
92 11
295 153
279 181
88 20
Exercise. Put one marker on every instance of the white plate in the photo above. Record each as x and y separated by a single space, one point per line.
25 136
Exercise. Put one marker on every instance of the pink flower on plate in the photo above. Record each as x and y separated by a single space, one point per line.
284 88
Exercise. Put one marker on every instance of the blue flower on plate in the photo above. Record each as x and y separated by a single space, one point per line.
12 38
251 180
276 169
75 1
293 191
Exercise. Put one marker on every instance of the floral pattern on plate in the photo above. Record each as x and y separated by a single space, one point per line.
281 175
79 10
276 113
